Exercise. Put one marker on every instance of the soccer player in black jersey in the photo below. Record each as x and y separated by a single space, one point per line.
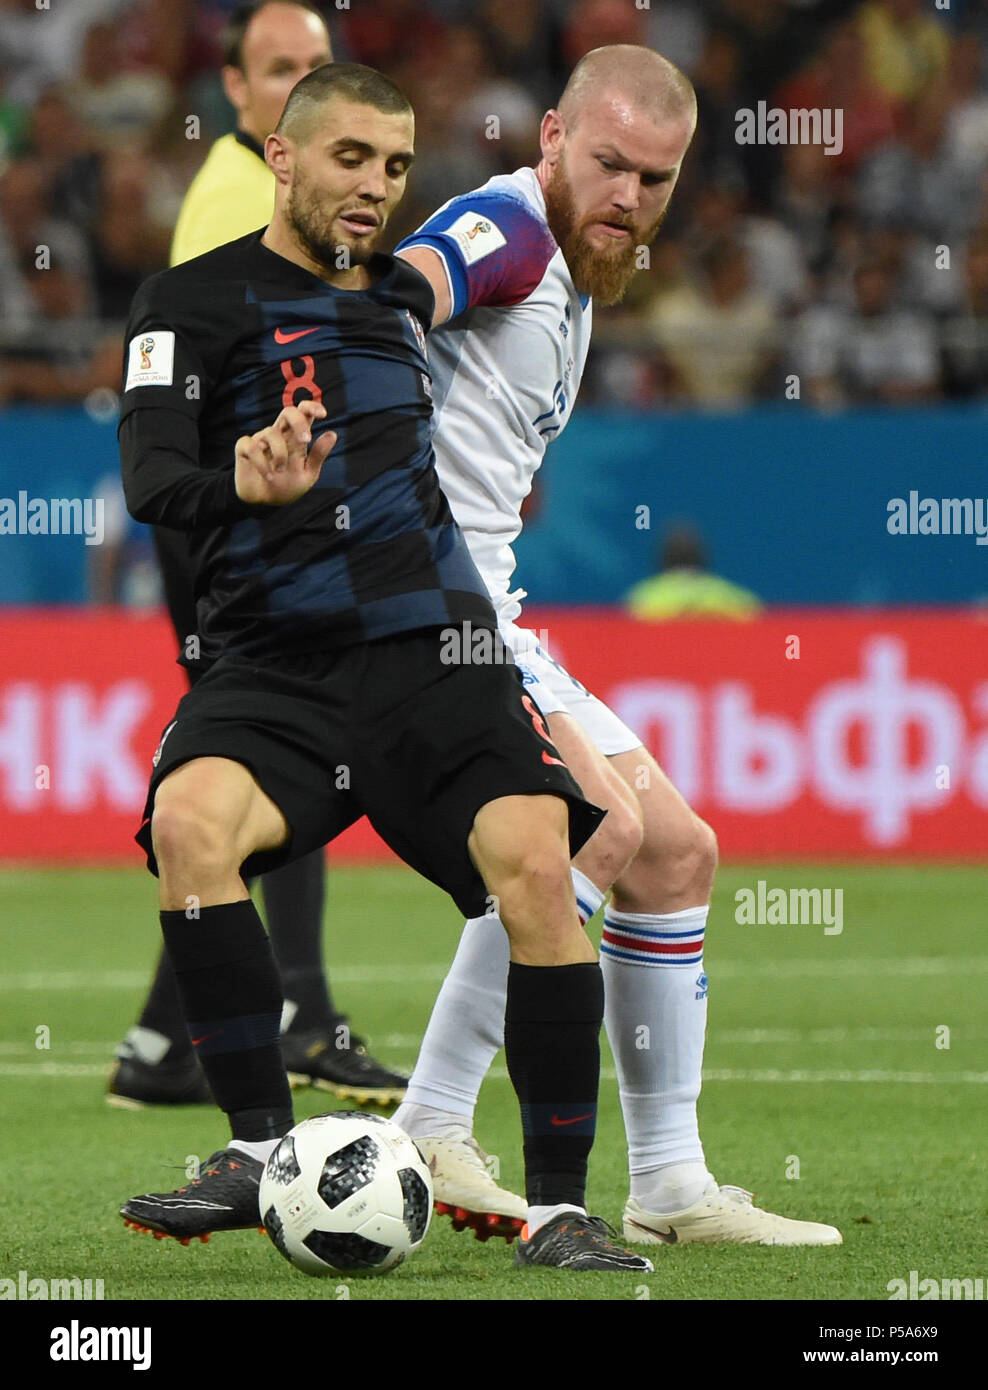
330 577
269 45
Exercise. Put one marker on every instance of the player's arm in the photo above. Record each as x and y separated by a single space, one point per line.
165 485
432 266
167 382
481 249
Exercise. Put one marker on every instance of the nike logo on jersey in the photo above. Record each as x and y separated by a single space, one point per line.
280 336
575 1120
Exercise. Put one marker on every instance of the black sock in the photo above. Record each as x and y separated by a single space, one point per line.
163 1013
231 998
293 905
552 1022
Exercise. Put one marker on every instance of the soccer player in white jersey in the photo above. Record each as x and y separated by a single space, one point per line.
514 266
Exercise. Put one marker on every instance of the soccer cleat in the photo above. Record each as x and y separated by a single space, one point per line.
350 1073
464 1190
133 1084
723 1215
574 1241
222 1198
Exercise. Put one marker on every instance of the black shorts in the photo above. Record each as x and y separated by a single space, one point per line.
385 729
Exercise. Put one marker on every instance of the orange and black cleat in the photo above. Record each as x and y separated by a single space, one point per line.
222 1198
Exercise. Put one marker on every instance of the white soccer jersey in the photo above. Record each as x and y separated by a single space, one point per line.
506 367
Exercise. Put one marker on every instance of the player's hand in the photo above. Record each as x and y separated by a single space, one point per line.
276 465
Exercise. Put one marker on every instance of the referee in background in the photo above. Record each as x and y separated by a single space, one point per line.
269 47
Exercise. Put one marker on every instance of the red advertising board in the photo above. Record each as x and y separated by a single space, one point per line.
798 734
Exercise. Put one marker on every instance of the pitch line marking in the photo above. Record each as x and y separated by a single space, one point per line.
861 968
85 1070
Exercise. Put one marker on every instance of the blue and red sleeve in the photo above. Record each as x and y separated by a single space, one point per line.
495 249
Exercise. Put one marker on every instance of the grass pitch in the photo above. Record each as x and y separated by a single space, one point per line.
822 1059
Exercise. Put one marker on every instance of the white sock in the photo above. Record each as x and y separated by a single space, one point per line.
146 1044
538 1216
672 1188
467 1024
465 1030
261 1149
425 1122
655 1012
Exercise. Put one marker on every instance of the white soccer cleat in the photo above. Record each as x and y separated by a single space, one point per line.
723 1215
465 1191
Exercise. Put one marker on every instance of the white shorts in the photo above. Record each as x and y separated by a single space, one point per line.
555 691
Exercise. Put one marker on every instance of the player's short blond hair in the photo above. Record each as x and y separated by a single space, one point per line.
649 81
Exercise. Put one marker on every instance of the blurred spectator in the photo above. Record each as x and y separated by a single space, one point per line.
872 353
806 202
13 127
907 47
717 334
127 245
684 586
95 96
444 166
678 28
715 146
518 40
968 120
839 79
592 23
393 35
70 167
39 47
117 106
915 180
964 336
494 112
775 258
45 275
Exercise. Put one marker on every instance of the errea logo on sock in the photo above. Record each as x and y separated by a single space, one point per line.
701 986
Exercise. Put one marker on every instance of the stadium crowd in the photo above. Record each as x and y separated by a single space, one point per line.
863 271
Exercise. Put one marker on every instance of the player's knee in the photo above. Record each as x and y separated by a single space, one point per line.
707 850
614 844
689 859
189 837
533 872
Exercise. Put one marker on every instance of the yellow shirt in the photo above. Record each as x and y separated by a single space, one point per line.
905 55
232 194
690 593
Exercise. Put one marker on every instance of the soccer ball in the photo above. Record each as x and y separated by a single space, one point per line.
347 1193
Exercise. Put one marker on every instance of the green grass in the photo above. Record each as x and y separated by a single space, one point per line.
798 1023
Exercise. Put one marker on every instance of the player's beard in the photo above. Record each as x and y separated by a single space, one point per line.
603 274
313 227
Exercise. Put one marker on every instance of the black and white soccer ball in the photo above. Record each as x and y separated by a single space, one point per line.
347 1193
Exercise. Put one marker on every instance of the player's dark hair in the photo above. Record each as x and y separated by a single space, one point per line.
350 80
235 30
